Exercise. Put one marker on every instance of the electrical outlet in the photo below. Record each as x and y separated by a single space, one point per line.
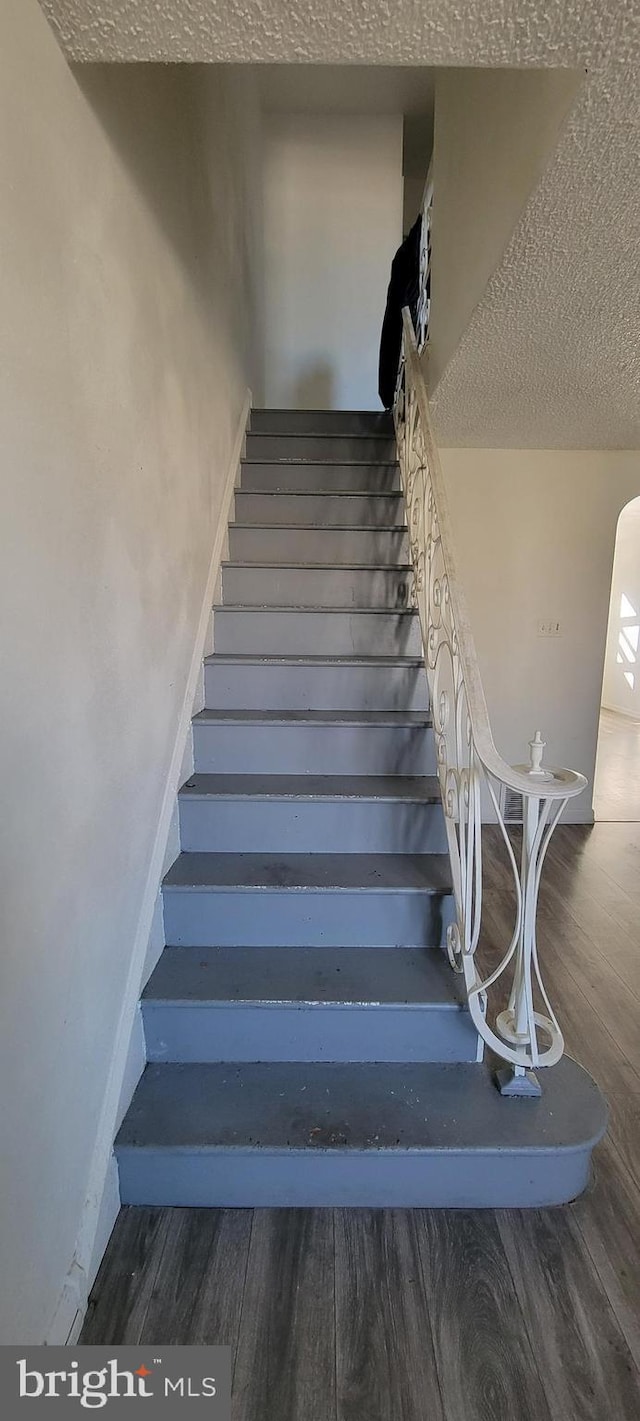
550 628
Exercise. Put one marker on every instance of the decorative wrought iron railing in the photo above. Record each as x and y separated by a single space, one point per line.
424 302
525 1034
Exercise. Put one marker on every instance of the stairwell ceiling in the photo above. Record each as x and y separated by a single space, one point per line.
347 88
362 89
551 357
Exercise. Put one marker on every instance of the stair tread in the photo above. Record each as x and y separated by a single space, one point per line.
423 873
404 976
324 528
330 1107
219 658
322 566
423 789
348 611
315 717
385 435
324 463
318 493
360 412
359 492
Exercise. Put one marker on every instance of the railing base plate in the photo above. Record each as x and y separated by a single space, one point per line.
509 1083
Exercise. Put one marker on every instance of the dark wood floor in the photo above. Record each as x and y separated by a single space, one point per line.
423 1315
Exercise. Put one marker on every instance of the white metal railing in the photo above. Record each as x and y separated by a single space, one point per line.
522 1035
423 310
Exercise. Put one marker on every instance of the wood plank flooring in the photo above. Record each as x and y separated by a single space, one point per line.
617 778
423 1315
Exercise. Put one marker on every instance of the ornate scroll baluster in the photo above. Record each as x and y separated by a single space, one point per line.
470 769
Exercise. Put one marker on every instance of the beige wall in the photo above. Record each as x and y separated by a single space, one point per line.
495 130
126 337
333 220
621 684
535 533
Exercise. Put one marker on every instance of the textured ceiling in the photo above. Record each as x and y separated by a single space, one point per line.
553 32
551 356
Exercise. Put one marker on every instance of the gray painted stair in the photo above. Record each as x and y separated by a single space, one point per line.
305 1004
383 1135
307 900
278 631
321 447
384 547
327 509
369 422
276 585
314 742
308 1043
316 683
306 476
311 814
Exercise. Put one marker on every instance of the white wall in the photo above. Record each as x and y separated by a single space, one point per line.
535 532
125 348
495 130
621 684
333 220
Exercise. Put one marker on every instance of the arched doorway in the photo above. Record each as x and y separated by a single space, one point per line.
617 779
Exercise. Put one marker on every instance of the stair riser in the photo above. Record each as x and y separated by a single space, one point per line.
334 1179
304 918
273 421
186 1032
342 447
272 477
298 826
313 749
278 687
293 633
325 510
373 547
315 587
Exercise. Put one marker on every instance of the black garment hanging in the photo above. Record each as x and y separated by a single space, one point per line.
404 290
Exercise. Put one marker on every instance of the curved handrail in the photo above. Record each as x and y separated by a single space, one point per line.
559 783
467 758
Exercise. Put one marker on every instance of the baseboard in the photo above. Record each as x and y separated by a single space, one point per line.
108 1213
570 816
618 710
67 1320
577 816
101 1201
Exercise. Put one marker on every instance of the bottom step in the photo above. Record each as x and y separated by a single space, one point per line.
355 1135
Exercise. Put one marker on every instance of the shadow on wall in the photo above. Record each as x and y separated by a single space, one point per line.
149 115
164 122
315 388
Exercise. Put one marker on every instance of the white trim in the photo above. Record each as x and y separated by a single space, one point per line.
72 1302
67 1320
618 710
109 1210
574 814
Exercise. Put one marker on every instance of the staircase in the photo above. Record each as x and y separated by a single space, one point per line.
308 1043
